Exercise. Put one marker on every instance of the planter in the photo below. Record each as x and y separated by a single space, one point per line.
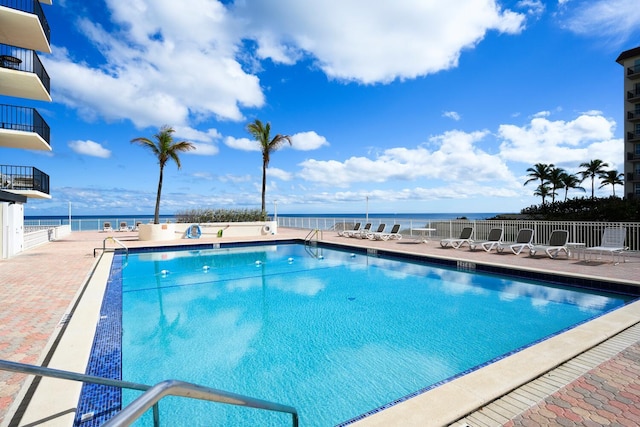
156 232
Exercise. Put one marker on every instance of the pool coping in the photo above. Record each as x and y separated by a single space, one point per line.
465 394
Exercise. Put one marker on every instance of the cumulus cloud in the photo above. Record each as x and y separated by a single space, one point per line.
456 157
244 144
381 42
452 115
90 148
307 141
616 20
560 142
280 174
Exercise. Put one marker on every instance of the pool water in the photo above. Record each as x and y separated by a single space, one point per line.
332 333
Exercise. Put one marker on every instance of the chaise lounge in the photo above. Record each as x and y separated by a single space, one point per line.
524 240
557 243
493 240
465 237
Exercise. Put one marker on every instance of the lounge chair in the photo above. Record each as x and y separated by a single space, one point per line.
493 239
358 232
612 242
557 243
394 234
123 226
371 235
345 232
107 227
465 237
524 240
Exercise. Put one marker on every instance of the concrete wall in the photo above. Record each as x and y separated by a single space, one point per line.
172 231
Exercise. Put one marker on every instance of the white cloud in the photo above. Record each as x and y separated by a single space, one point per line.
202 149
616 20
379 42
280 174
244 144
456 158
90 148
560 142
452 115
307 141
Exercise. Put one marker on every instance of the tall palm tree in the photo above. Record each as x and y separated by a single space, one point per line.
164 148
570 181
591 170
543 191
262 134
539 171
612 178
555 179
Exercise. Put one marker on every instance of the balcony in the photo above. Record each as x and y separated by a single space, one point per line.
633 72
633 116
633 95
22 74
633 136
25 180
23 127
23 23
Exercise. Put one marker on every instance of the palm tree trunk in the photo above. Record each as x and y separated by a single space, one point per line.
156 217
264 190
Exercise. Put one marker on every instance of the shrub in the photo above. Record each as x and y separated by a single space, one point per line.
611 209
204 215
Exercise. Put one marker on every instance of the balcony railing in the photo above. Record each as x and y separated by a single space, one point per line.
633 136
633 72
23 178
632 95
633 116
30 6
632 156
24 119
16 58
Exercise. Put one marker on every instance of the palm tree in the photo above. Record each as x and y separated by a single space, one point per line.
555 179
570 181
612 178
539 171
262 134
543 191
592 169
164 148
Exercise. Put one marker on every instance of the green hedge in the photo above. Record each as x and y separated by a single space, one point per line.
218 215
611 209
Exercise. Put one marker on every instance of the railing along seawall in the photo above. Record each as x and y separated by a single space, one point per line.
587 232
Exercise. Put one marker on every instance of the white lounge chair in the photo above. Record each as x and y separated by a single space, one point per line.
465 237
375 235
369 234
123 226
359 232
106 226
557 243
524 240
612 242
394 234
493 239
345 232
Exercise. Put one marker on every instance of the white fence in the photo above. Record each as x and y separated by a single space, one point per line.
35 236
588 233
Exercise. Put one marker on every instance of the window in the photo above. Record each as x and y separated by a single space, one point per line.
637 149
637 110
637 189
637 172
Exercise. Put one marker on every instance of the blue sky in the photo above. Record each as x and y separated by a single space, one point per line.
419 106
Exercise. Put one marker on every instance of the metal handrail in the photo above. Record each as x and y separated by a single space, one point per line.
116 241
152 394
182 389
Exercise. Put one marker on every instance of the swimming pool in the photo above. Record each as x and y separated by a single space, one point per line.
335 334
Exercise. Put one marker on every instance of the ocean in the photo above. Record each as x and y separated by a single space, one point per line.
95 222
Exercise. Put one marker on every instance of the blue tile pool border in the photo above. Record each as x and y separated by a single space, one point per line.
104 402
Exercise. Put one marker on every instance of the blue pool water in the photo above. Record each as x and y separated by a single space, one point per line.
331 333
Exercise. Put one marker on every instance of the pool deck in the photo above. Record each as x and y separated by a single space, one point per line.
588 376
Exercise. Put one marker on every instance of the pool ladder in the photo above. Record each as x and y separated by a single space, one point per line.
152 394
114 240
308 242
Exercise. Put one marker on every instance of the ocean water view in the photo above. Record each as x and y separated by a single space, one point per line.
96 222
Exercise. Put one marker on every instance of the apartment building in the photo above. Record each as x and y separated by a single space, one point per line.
24 31
630 60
